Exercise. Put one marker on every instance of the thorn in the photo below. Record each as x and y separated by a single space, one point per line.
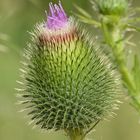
31 122
22 110
17 89
19 82
22 70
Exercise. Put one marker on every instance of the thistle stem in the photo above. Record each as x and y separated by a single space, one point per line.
75 134
78 134
113 37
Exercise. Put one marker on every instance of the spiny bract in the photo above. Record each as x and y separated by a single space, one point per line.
69 82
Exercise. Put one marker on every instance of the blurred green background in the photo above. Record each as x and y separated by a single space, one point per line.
16 18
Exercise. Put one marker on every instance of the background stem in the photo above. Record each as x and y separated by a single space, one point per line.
113 36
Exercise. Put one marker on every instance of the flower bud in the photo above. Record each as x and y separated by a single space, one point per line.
112 7
70 83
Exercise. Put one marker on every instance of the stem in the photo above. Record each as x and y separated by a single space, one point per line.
75 134
113 36
80 134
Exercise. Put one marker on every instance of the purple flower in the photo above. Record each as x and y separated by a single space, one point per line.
56 18
58 28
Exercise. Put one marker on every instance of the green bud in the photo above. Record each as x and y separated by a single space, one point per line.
112 7
69 81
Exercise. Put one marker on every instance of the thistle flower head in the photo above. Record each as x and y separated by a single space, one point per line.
58 27
69 81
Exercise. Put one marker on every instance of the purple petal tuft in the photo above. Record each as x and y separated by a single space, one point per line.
57 18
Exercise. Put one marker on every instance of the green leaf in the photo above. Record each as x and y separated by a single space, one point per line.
82 11
85 17
88 20
134 27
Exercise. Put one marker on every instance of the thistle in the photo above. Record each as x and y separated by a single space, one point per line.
115 19
69 83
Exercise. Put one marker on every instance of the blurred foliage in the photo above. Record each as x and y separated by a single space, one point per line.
114 19
16 18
